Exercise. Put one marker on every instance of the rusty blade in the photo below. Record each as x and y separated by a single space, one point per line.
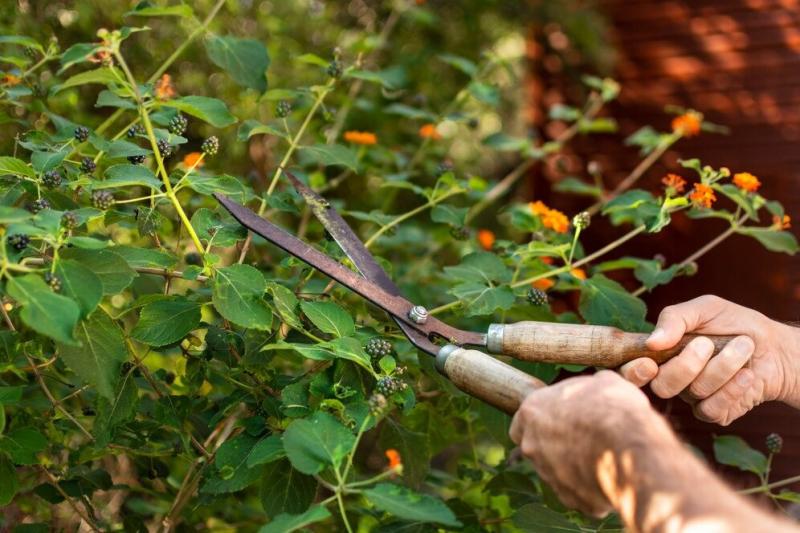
364 261
395 305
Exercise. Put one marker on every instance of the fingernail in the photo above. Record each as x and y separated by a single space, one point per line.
744 378
743 346
657 334
641 373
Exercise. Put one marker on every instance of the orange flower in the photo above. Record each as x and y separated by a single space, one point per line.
395 461
547 260
9 80
193 159
782 223
538 208
428 131
702 195
578 273
746 181
556 221
543 284
164 88
360 137
675 182
687 124
486 239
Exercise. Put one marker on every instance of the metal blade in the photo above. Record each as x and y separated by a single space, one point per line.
395 305
352 246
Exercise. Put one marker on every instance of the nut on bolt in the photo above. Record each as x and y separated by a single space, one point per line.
418 314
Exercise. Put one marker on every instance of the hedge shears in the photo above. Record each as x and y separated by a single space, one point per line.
471 370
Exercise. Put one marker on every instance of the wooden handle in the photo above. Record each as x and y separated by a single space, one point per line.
486 378
581 344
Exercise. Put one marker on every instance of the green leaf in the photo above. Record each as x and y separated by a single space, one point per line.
8 481
285 490
448 214
211 225
43 310
103 76
231 472
127 175
16 167
734 451
537 517
482 267
100 355
332 154
329 317
285 302
461 63
266 451
506 143
210 110
145 10
773 240
481 300
80 284
409 112
246 60
110 267
574 185
286 523
44 161
606 302
22 445
238 295
409 505
390 78
12 215
636 206
120 409
350 349
316 443
252 127
10 395
21 40
146 257
166 321
230 186
77 53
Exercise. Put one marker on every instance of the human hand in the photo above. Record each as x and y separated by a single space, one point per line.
565 428
755 367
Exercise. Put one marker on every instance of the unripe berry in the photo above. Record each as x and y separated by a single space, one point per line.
582 220
210 146
334 69
81 133
69 220
774 443
377 404
102 199
444 167
52 179
537 297
39 204
460 234
19 241
164 148
53 280
377 348
388 385
283 109
88 165
177 125
136 159
133 131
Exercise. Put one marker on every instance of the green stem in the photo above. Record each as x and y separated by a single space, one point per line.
574 243
770 486
349 464
405 216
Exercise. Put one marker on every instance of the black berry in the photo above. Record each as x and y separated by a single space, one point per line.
81 133
774 443
39 204
283 109
69 220
388 385
164 148
169 378
210 146
136 159
377 348
88 165
177 125
133 131
193 258
128 368
88 411
102 199
52 179
53 280
460 234
19 241
537 297
334 69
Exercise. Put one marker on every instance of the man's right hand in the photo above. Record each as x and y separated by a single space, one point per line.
761 364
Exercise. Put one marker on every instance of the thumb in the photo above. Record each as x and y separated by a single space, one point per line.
672 323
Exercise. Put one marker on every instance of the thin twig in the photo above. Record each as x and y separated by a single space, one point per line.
38 261
69 499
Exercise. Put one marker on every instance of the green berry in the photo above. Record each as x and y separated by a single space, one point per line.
52 179
53 280
377 404
210 146
39 204
133 131
334 69
164 148
377 348
537 297
460 234
102 199
582 220
19 241
283 109
177 125
774 443
444 167
81 133
69 220
88 165
136 159
388 385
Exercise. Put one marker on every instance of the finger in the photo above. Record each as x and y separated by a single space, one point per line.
675 320
722 367
677 373
516 430
729 402
640 371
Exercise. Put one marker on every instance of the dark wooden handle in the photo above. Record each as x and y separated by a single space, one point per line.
582 344
487 378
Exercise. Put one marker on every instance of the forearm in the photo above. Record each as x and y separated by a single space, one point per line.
658 485
789 342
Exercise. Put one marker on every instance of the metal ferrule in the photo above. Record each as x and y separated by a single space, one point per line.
494 338
443 354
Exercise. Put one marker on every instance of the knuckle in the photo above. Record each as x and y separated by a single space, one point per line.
709 300
709 411
700 389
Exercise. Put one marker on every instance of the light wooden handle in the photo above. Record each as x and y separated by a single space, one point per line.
486 378
581 344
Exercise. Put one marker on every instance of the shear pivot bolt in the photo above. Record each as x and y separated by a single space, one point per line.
418 314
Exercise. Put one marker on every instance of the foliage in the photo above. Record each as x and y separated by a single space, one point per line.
154 352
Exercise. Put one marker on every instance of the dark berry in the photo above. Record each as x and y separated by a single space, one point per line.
177 125
210 146
53 280
388 385
582 220
283 109
102 199
52 179
164 148
377 404
377 348
129 368
39 204
88 165
473 123
69 220
88 411
169 378
193 258
136 159
444 167
537 297
133 131
334 69
81 133
774 443
19 241
460 234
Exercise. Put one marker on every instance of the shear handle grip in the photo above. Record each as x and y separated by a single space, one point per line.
582 344
486 378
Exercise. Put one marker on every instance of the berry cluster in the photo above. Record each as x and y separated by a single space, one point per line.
136 159
283 109
459 234
164 148
127 367
69 220
210 146
334 69
582 220
52 179
444 167
81 133
377 404
537 297
102 199
177 125
39 204
133 131
774 443
53 280
377 348
19 241
88 165
388 385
